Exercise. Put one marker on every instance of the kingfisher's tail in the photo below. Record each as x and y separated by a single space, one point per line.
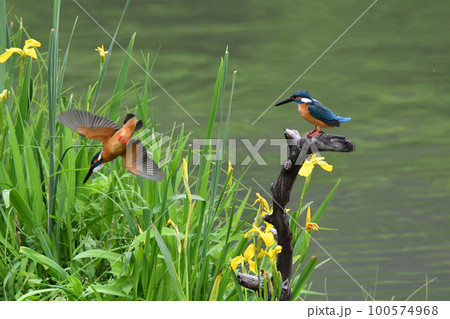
344 119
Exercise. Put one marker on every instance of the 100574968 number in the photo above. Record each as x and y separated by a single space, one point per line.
403 310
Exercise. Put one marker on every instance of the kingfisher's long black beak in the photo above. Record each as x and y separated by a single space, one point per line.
91 170
290 99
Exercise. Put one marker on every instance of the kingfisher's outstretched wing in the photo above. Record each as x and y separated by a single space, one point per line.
137 161
88 124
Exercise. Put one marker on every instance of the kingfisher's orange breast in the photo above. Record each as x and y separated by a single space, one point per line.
303 110
115 146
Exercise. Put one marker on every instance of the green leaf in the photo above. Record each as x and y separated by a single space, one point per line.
120 82
169 263
17 156
77 287
304 276
318 214
41 259
107 290
24 212
215 288
66 56
98 253
37 292
111 45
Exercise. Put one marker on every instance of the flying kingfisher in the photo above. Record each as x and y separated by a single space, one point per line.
314 112
117 141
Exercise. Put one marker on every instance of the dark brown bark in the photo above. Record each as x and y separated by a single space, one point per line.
300 148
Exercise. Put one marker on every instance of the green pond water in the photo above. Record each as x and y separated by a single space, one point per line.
389 72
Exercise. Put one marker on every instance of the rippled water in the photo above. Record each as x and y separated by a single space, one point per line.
389 72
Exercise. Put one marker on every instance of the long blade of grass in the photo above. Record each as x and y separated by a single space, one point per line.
215 288
41 259
207 150
304 276
98 253
120 82
212 116
318 214
17 157
52 106
107 290
105 64
169 263
3 39
64 62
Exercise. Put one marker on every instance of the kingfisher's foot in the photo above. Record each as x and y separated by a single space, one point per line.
125 140
119 137
314 132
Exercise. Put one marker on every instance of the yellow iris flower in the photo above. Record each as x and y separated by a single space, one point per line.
266 235
28 49
249 253
271 253
310 225
262 202
230 171
170 223
4 95
308 165
102 52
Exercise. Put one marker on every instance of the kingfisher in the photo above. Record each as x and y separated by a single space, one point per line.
117 142
314 112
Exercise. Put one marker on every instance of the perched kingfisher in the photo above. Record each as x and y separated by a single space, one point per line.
117 141
314 112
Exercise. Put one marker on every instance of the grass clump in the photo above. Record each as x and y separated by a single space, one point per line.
117 237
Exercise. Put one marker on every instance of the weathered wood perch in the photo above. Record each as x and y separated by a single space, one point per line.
300 148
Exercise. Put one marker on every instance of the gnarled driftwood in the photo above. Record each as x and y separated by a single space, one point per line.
300 148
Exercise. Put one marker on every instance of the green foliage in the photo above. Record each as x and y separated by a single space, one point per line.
117 237
108 239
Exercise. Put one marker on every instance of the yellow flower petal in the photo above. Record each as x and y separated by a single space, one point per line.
4 95
30 52
185 170
230 171
269 226
262 202
268 238
101 51
170 223
252 266
306 169
308 215
5 56
308 224
254 229
325 166
31 43
277 249
271 253
266 235
236 261
249 252
308 165
312 226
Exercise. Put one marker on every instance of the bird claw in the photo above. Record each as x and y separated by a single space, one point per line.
119 137
313 132
125 140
